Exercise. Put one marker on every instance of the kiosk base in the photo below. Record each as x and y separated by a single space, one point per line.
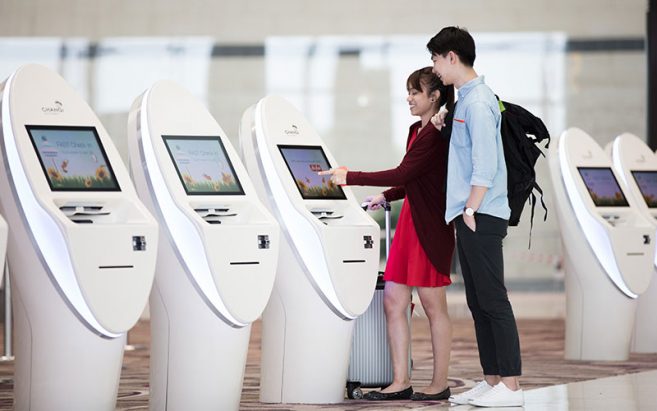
61 365
197 359
644 339
305 345
599 318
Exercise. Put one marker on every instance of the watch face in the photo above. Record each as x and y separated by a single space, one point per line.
469 211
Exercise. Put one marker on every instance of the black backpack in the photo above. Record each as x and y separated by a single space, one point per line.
521 133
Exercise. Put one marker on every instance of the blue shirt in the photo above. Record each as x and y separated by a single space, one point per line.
476 154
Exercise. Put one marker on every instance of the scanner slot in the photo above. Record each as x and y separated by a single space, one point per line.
73 210
82 221
83 213
214 215
325 213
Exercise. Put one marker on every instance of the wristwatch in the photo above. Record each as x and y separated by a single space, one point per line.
469 211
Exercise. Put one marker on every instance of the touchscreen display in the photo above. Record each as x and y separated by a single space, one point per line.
203 165
603 187
72 158
647 182
304 162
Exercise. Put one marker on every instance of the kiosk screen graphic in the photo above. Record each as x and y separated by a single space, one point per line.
304 162
603 187
647 182
72 158
203 165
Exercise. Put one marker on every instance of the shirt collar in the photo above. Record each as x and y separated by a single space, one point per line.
465 89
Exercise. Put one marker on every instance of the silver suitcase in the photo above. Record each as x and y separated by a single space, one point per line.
370 365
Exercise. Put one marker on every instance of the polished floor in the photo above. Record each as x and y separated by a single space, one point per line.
550 382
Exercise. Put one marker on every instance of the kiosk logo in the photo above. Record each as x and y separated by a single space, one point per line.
56 108
293 130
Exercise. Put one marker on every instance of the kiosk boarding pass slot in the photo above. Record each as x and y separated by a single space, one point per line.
83 213
214 215
325 213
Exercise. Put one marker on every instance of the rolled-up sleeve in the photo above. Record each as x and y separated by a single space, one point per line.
482 128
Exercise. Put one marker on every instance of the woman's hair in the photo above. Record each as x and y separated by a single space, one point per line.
425 80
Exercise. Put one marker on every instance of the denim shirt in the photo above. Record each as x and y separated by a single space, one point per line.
476 154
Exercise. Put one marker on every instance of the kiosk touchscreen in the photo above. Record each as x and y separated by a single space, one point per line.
636 165
608 249
328 263
82 246
217 256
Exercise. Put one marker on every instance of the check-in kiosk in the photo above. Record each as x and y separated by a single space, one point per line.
608 249
217 256
328 261
82 247
636 165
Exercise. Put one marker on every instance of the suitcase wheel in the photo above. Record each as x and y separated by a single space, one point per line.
353 391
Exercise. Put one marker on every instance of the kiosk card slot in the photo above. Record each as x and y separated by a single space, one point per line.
214 215
82 210
325 213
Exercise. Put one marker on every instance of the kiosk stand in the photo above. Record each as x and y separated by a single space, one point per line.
217 256
636 165
328 263
82 247
608 249
4 232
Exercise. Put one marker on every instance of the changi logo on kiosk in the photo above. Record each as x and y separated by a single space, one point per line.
56 108
293 130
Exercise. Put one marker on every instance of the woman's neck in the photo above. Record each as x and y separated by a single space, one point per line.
425 118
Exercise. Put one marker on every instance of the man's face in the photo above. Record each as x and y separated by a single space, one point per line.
441 67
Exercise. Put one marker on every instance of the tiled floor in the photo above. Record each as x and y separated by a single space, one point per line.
629 384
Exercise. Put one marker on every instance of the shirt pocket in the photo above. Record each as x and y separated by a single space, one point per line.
459 137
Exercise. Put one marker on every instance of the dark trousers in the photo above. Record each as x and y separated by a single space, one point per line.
482 265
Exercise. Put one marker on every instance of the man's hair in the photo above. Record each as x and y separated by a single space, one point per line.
454 39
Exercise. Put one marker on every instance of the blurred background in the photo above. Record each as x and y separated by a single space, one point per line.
344 64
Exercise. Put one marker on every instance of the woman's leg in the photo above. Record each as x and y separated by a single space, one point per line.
396 299
434 302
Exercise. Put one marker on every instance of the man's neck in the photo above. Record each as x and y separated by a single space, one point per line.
468 74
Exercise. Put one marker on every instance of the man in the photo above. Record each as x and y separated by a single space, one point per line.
477 202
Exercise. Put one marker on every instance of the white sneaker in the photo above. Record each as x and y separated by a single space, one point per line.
474 392
500 396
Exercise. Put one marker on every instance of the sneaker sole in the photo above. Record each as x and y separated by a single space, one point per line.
479 404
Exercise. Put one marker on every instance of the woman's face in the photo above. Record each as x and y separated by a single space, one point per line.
420 102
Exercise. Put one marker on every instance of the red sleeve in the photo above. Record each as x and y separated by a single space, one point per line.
394 193
421 156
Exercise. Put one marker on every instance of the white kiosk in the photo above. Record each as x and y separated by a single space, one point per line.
82 246
217 256
328 263
636 165
608 249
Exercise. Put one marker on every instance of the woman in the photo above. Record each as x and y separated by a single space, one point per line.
422 249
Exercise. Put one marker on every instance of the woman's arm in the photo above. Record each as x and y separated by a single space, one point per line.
421 156
394 193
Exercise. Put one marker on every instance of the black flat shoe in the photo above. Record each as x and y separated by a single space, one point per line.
420 396
389 396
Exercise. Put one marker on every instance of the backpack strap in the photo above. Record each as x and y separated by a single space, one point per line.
532 203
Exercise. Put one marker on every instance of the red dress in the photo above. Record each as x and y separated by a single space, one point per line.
408 263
